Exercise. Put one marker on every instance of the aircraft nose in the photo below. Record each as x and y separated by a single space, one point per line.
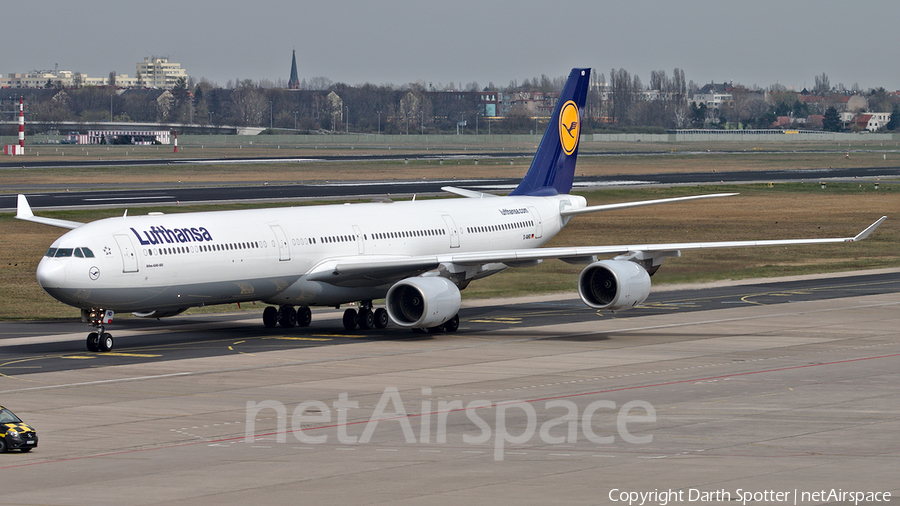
51 274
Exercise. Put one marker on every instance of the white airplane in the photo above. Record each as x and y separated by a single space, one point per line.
417 255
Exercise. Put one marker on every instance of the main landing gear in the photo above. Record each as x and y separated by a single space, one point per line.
365 318
98 318
286 316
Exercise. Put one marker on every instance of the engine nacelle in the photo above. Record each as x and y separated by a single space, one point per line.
616 285
422 302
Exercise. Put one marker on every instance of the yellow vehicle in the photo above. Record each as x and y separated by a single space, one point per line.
15 434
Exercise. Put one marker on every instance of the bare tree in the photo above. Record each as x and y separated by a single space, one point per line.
621 96
822 85
411 109
680 115
678 87
249 106
318 83
659 81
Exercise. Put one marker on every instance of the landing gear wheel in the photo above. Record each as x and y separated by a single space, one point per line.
365 319
106 342
452 324
288 317
270 317
304 316
381 318
93 342
350 319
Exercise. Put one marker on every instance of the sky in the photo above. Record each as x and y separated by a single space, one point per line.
751 42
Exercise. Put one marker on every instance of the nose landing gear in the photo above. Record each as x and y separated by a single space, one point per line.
98 318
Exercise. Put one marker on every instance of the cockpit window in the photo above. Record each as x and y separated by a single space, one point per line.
51 252
63 252
87 253
78 253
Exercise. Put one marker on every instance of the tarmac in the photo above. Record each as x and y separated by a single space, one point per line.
791 403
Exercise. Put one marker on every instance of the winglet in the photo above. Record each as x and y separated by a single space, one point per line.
868 231
23 212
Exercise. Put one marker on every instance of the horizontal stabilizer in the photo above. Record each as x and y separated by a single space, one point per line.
625 205
23 212
466 193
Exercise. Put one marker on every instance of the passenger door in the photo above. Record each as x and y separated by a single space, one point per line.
129 256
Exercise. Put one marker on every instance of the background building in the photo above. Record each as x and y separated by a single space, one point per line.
153 72
156 72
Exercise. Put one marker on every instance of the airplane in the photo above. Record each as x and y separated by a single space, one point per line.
416 255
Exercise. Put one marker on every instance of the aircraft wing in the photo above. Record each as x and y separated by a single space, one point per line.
373 271
23 212
586 252
370 271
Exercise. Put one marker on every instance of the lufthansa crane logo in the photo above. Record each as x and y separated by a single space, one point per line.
569 127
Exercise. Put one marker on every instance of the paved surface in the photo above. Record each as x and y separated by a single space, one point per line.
30 347
56 196
797 397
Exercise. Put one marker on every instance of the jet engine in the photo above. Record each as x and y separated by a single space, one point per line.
616 285
422 302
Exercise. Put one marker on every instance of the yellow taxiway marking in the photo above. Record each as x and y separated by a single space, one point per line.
77 357
300 338
139 355
499 319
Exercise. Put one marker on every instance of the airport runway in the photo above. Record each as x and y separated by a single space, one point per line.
31 347
783 387
58 197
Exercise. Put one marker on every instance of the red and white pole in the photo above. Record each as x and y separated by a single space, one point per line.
176 140
22 122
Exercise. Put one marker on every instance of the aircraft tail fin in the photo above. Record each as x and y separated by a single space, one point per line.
553 167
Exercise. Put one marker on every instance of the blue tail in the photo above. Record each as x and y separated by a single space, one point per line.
553 166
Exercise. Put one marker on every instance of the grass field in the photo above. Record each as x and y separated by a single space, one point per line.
595 159
783 211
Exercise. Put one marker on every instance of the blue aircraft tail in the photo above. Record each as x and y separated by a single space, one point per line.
553 166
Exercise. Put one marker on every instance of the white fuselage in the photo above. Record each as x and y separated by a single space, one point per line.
170 262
